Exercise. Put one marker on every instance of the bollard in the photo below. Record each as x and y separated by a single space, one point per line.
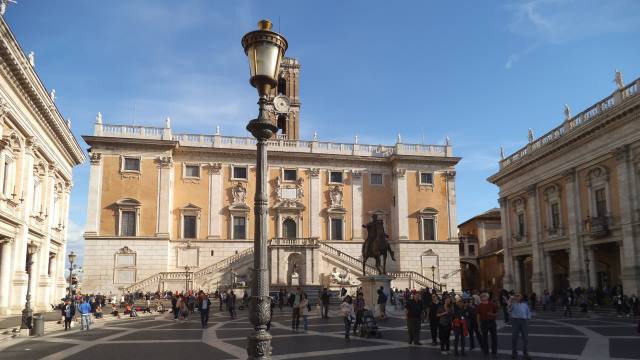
38 325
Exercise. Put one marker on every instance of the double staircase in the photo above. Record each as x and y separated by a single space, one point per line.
213 273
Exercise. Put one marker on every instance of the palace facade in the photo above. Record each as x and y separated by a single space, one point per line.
167 210
37 154
570 200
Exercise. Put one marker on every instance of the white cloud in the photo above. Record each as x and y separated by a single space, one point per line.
75 240
556 22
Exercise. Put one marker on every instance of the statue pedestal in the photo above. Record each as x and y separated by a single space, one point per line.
295 281
370 285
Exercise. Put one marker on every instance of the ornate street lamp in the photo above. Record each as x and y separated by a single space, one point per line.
72 259
433 273
186 272
27 312
265 50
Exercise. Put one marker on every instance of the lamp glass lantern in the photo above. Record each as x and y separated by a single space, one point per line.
72 257
265 50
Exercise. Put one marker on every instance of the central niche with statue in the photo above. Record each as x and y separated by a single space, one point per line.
289 208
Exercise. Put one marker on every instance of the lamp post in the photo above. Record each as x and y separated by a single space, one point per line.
72 259
586 263
27 312
433 273
265 50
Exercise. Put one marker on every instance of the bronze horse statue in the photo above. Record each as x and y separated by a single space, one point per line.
376 245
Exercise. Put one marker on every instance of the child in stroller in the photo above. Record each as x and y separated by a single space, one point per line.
369 326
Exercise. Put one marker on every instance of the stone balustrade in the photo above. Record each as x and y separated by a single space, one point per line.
573 124
278 143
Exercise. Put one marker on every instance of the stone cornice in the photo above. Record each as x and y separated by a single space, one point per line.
21 74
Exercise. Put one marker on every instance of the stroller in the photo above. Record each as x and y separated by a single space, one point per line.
369 326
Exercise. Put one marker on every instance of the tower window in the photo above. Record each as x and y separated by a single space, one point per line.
290 175
282 86
335 177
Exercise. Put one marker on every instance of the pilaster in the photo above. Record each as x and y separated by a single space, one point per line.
165 198
534 230
508 279
401 210
576 264
215 200
94 194
630 270
549 270
356 203
315 199
5 274
450 178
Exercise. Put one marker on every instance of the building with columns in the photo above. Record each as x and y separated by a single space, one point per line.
37 154
168 210
570 200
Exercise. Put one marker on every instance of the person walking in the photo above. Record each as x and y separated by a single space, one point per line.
325 298
445 318
348 315
281 295
85 314
413 314
295 315
566 302
231 304
486 315
459 324
520 316
204 304
472 322
68 312
305 310
358 307
174 307
433 318
504 303
382 303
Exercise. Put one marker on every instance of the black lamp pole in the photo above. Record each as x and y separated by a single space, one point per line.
27 312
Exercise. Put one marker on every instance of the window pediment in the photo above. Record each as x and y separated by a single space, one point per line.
428 211
128 202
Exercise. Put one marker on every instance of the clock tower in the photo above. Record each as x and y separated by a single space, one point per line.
286 102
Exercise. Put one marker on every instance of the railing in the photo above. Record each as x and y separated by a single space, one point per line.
223 263
313 241
278 143
416 277
369 270
574 123
154 279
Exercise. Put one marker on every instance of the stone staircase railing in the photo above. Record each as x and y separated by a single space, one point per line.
344 257
157 278
416 277
223 263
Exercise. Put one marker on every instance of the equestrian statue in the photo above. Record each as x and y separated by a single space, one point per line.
376 245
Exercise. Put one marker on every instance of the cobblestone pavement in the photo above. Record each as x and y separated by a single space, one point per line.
160 337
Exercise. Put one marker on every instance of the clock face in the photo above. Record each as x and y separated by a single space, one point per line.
281 104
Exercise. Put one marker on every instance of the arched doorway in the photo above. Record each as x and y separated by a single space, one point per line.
289 229
470 275
296 262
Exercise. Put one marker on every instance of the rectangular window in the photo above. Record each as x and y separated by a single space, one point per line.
426 178
336 228
290 175
131 164
239 173
335 177
521 225
428 229
601 203
239 227
128 223
376 179
472 250
192 171
461 249
555 215
189 223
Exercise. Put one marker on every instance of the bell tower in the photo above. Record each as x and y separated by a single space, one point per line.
288 90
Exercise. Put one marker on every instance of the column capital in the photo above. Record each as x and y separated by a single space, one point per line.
164 162
214 168
314 172
449 174
569 174
31 145
400 172
357 174
622 153
532 190
503 201
95 158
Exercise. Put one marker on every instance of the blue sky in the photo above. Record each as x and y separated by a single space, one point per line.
479 72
